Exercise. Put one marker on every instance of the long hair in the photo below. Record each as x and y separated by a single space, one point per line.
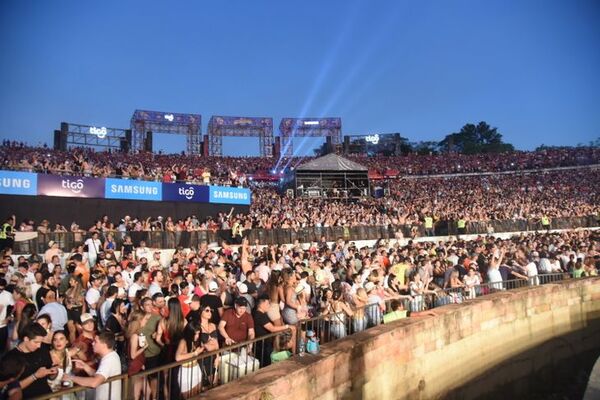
189 334
135 319
175 321
27 316
274 282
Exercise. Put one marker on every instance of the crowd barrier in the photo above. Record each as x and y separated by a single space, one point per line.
169 240
225 365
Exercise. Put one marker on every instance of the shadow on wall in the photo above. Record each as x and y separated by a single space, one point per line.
556 369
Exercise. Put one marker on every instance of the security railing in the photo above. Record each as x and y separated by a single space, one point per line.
209 370
186 239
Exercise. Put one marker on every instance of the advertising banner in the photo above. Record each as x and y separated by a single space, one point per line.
132 190
70 186
18 183
230 195
184 193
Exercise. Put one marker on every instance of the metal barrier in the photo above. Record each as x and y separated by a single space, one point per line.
221 366
165 240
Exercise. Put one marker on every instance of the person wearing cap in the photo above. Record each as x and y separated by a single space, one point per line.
242 289
237 325
212 300
85 340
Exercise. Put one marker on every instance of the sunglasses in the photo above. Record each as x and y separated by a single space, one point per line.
207 310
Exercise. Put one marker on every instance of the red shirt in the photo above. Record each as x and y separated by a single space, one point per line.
237 327
185 308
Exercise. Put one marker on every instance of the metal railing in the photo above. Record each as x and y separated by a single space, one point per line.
207 371
169 240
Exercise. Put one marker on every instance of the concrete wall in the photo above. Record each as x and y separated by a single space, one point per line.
491 340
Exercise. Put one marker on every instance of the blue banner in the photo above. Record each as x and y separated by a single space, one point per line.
132 190
185 193
18 183
230 195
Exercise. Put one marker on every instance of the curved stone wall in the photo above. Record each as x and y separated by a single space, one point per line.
443 356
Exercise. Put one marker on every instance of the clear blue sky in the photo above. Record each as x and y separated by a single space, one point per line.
421 68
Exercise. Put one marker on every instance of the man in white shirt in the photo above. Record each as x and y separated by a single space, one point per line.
93 248
532 270
6 299
93 294
110 365
138 284
56 311
142 251
157 282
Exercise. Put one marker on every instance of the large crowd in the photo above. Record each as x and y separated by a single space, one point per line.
235 171
410 202
61 318
104 308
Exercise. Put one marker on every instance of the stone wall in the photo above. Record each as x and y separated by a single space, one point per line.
444 355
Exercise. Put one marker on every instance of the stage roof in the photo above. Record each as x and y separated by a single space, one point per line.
331 162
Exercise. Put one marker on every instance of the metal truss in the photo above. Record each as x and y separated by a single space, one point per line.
92 136
315 127
143 121
219 126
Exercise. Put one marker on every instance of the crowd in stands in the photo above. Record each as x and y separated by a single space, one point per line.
79 321
235 171
549 195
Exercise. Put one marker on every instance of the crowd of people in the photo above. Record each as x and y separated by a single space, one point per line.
236 171
410 202
94 316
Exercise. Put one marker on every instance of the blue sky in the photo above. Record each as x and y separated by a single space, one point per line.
422 68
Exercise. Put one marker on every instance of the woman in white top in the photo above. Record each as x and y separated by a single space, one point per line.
494 269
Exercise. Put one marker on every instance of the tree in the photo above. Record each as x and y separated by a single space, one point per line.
475 139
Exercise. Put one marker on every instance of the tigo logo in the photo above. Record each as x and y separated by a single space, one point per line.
73 186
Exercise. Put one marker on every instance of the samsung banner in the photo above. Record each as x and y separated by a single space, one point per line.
186 193
30 184
19 183
229 195
70 186
132 190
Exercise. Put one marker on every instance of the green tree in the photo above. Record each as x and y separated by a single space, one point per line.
474 139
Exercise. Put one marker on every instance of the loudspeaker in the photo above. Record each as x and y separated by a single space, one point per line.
124 146
277 147
328 145
205 146
56 140
148 142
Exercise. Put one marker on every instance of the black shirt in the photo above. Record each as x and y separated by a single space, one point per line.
34 361
260 320
214 302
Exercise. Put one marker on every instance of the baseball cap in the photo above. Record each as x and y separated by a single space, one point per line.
212 286
86 317
242 288
369 286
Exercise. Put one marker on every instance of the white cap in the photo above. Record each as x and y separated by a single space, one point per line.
369 286
212 286
242 288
